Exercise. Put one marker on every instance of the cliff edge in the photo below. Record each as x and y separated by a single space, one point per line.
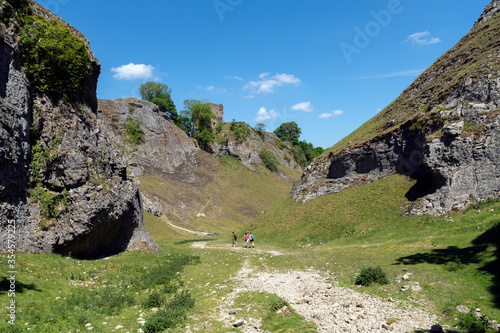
63 188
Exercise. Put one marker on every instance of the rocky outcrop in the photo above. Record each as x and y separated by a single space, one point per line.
451 149
63 188
452 171
163 149
248 150
178 179
168 150
490 11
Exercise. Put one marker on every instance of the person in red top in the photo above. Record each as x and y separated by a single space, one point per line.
245 238
234 239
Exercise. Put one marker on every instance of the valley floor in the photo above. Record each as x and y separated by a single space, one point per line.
450 263
312 295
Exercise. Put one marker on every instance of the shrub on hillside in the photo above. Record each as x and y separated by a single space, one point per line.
474 324
240 131
133 131
154 300
269 159
173 314
454 265
370 275
276 304
56 62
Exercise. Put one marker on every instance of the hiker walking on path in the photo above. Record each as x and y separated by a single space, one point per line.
251 240
245 238
234 240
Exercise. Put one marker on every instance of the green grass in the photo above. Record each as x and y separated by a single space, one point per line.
425 246
333 217
264 305
231 196
57 294
454 258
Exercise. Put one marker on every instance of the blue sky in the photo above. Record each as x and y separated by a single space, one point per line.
327 65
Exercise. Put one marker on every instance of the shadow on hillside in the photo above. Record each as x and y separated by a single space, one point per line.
468 255
18 287
492 237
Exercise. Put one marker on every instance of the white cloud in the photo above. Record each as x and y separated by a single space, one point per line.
267 83
212 89
287 78
207 88
419 38
263 114
133 72
304 106
405 73
331 114
234 78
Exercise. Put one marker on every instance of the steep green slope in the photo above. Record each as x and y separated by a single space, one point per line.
454 259
334 216
232 197
473 58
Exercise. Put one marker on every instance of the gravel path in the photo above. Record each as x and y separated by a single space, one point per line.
334 309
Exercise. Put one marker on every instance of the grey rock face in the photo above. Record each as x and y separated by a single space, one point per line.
15 114
248 151
491 10
168 150
452 172
165 149
95 209
402 153
153 207
453 130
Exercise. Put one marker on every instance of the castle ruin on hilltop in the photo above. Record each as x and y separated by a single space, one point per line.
218 110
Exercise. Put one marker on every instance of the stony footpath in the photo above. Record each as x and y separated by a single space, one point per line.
332 308
335 309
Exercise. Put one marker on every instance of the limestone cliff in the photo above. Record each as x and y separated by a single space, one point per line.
245 143
168 150
177 177
443 131
63 188
164 148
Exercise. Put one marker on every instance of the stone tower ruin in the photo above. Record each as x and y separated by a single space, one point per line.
218 110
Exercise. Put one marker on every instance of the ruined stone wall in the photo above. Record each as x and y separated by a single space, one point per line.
218 110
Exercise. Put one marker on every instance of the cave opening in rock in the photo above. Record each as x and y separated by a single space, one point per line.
427 183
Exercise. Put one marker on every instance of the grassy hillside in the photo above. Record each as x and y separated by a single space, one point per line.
454 259
473 58
233 197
